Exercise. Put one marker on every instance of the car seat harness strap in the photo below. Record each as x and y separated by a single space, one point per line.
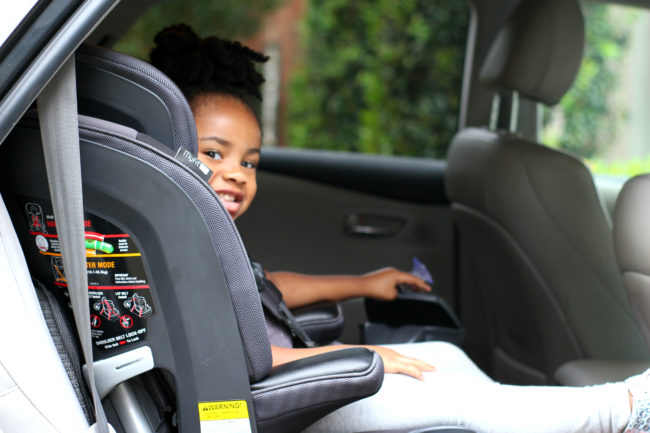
271 299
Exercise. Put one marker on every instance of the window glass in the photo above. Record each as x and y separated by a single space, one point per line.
375 76
604 117
12 14
378 76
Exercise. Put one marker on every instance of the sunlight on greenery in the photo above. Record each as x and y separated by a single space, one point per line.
627 168
230 19
379 76
589 119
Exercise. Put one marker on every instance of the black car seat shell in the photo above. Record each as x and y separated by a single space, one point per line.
196 333
535 245
170 331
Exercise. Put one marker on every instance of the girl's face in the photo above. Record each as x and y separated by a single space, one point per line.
229 144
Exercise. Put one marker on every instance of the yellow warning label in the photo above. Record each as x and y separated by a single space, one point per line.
221 410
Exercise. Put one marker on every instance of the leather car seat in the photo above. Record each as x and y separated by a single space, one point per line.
536 255
632 244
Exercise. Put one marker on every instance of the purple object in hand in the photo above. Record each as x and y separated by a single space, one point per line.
421 271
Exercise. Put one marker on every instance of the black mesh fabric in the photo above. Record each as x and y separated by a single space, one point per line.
63 336
143 74
225 238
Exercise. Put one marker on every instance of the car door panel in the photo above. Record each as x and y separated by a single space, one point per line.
326 216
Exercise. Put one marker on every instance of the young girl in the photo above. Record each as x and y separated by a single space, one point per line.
221 84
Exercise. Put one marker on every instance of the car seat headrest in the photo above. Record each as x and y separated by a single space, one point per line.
124 90
631 236
538 50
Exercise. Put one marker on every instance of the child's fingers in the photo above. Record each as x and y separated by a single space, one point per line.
421 365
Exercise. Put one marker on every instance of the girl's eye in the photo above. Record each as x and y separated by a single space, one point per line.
213 154
249 164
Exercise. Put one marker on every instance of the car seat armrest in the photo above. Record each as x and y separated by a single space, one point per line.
299 393
322 321
345 362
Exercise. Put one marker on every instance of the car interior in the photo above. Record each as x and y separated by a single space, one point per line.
98 165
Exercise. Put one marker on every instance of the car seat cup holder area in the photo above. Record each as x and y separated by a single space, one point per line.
412 317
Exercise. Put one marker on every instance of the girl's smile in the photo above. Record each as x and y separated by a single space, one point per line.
229 144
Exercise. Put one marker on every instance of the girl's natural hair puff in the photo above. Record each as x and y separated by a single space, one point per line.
208 65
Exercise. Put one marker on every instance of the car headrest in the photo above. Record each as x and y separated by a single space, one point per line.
118 88
631 234
538 50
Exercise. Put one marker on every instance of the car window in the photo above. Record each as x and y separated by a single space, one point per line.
372 76
378 77
603 118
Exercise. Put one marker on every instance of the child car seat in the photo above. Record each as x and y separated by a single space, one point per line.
174 245
156 107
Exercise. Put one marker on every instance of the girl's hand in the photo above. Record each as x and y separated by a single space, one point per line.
382 284
396 363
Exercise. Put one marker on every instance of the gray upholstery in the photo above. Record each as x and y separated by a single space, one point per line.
537 258
632 243
533 232
538 51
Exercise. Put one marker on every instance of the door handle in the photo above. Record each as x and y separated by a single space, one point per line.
373 225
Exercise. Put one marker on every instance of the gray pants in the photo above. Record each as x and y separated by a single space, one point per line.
459 394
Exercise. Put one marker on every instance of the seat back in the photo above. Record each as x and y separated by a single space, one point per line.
536 256
632 243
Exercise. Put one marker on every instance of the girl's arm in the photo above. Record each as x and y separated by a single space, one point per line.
393 361
300 289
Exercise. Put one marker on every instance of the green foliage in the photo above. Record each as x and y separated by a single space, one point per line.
584 122
379 76
230 19
626 169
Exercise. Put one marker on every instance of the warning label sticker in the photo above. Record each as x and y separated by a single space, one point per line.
118 288
224 416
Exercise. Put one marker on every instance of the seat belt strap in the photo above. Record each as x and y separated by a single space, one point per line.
59 124
271 299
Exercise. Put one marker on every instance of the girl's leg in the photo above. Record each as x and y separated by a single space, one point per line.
459 394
